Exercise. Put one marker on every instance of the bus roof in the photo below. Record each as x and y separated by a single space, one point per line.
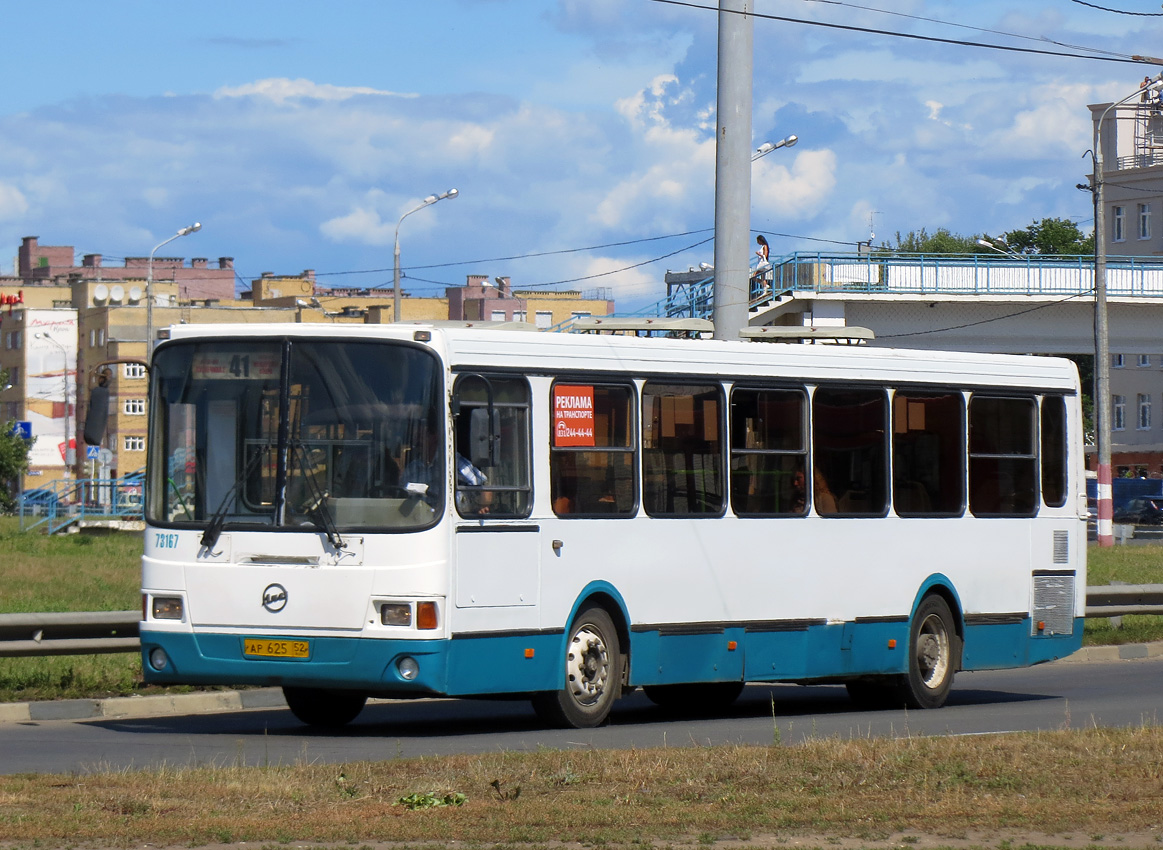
554 353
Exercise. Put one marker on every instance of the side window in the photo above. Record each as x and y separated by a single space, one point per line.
769 452
496 483
1002 472
682 449
591 459
850 451
928 453
1054 451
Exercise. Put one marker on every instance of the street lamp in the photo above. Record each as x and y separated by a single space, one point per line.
767 147
1102 375
185 231
65 353
985 243
431 199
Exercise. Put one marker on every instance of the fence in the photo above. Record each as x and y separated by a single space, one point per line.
93 633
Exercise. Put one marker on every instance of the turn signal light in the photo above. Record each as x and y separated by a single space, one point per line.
425 615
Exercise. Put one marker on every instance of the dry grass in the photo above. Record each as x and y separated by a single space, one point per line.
1067 786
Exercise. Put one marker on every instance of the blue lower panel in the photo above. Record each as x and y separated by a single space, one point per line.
997 647
525 663
462 667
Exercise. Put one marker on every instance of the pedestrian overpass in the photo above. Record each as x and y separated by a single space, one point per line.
1033 304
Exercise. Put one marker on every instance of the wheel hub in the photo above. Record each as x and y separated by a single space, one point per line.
587 665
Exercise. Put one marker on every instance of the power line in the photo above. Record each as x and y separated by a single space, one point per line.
1041 38
1119 11
527 256
1133 60
988 321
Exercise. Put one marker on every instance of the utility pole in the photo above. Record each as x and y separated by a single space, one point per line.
733 167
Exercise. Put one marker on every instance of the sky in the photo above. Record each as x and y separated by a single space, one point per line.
579 133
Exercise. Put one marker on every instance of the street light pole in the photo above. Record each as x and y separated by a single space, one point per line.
65 354
431 199
732 166
1102 398
185 231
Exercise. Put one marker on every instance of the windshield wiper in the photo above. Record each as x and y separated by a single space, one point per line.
315 505
218 520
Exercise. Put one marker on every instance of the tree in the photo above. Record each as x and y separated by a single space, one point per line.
1050 236
13 459
941 242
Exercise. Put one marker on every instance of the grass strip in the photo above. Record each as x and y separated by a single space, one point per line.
1069 786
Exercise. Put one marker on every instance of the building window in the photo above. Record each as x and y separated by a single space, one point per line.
1117 361
1118 412
1144 361
1144 405
544 318
518 315
581 314
133 370
134 444
1144 221
497 316
134 406
1118 221
14 375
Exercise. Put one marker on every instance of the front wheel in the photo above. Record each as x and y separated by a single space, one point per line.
934 655
593 675
324 708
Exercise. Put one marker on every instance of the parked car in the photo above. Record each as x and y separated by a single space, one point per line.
38 501
1141 512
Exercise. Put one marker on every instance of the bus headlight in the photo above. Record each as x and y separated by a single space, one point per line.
158 659
409 668
167 608
396 614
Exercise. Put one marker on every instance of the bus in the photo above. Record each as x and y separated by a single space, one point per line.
419 510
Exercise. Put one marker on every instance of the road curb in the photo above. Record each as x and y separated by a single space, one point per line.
137 707
209 702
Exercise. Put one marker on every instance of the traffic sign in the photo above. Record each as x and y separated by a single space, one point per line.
22 429
92 452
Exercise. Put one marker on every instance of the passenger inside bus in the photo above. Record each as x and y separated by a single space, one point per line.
825 501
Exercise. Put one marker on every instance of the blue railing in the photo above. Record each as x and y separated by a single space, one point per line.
964 274
60 504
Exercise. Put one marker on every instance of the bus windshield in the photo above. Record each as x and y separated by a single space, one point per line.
296 433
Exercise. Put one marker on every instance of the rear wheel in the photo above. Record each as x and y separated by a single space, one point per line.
593 675
324 708
934 655
704 698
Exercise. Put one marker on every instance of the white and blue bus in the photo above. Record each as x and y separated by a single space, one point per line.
419 510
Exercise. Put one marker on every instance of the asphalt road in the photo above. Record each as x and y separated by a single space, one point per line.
1075 695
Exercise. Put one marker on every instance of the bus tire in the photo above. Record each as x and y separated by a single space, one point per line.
702 698
592 676
324 708
934 655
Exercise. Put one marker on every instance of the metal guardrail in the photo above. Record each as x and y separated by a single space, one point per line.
94 633
70 633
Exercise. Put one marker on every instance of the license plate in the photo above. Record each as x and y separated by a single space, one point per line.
264 648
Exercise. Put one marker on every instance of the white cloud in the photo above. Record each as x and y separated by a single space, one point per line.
13 204
281 89
796 193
